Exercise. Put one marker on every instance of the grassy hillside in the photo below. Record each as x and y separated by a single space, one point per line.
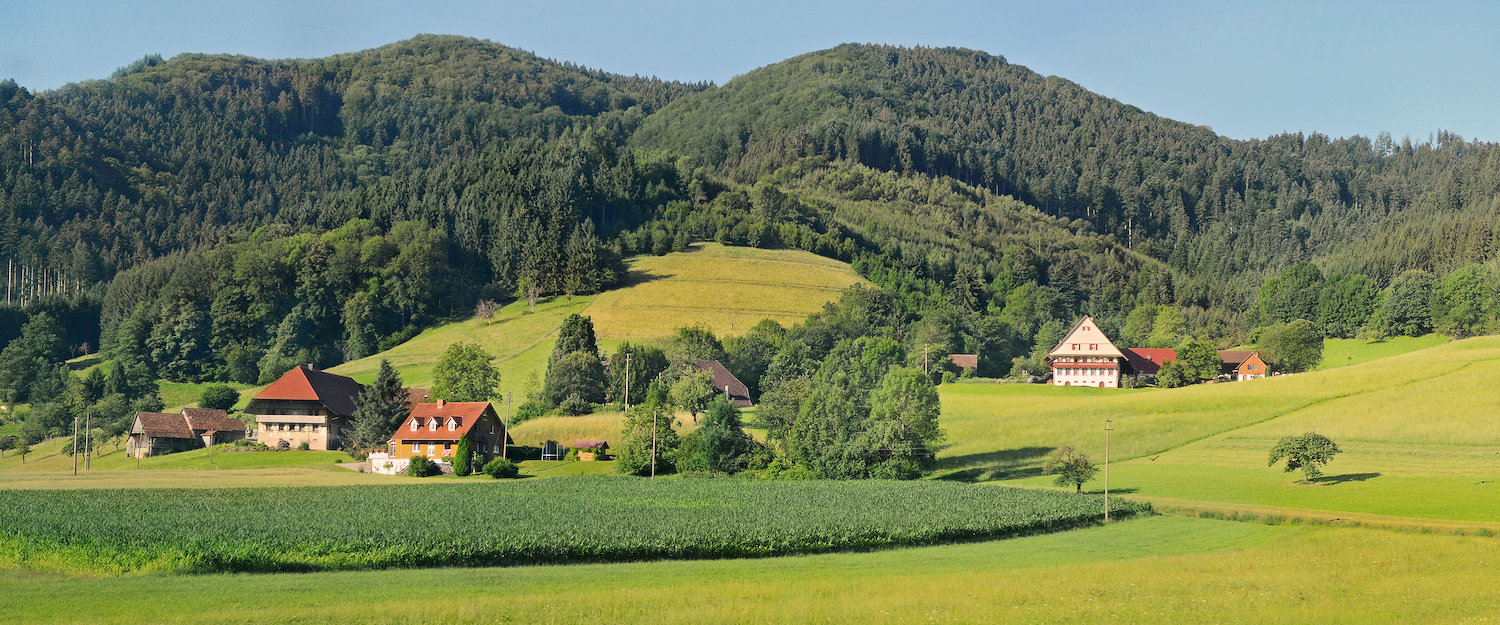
1410 449
728 289
1344 352
1149 571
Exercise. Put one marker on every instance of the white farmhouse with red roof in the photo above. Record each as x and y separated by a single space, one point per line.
1086 357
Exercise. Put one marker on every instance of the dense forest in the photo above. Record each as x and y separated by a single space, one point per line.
215 217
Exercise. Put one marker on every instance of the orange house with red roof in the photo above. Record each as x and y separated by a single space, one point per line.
434 430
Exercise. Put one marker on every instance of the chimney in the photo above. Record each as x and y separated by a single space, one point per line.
440 403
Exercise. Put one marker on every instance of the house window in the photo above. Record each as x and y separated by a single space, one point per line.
452 424
1094 346
431 449
1075 346
432 425
413 425
447 446
416 448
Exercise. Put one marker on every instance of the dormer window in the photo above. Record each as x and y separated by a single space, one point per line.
413 425
452 424
432 425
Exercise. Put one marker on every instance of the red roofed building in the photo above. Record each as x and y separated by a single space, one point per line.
306 405
1086 357
156 433
434 430
1146 361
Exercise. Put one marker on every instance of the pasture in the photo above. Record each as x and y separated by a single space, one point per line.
1410 448
1147 571
491 522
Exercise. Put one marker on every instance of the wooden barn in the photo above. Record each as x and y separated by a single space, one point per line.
155 433
733 389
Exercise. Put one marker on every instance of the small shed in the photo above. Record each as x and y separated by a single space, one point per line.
964 361
591 449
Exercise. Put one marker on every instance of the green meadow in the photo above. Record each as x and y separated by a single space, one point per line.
1147 571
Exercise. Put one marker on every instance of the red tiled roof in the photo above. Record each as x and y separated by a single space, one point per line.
164 425
964 361
466 412
589 443
1148 360
335 392
200 419
725 382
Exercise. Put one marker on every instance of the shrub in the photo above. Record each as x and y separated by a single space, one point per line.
218 397
527 411
422 467
575 405
463 459
282 445
501 468
303 446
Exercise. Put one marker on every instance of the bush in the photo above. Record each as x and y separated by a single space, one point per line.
527 411
303 446
501 468
575 405
422 467
218 397
282 445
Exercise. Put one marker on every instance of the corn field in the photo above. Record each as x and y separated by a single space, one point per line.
595 518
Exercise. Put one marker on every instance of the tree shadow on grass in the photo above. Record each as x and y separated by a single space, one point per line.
1347 477
1006 464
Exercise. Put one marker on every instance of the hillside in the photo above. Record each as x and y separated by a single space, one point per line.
726 289
1409 449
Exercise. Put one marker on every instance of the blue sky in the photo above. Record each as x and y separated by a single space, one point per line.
1246 70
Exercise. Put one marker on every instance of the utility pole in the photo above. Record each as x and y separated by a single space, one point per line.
505 436
627 382
88 441
75 444
1106 470
653 444
924 360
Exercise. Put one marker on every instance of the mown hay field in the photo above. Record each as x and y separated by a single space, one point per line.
476 523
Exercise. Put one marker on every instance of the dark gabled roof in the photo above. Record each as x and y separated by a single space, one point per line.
337 393
1235 357
725 382
1148 360
590 443
417 395
204 420
964 361
164 425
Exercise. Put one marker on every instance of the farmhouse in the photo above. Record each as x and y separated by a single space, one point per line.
1086 357
733 389
155 433
305 406
1240 364
434 430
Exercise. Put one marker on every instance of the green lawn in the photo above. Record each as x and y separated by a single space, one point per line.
1148 571
1345 352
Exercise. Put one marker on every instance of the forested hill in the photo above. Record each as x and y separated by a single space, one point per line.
219 217
1209 205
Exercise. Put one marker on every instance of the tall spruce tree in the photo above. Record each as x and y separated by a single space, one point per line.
380 408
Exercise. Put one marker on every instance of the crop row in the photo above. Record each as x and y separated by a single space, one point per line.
494 523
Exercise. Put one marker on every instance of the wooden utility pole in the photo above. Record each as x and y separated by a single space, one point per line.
505 436
1106 470
88 441
924 360
653 444
75 444
627 382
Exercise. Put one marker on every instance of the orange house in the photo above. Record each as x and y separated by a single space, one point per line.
1242 365
434 430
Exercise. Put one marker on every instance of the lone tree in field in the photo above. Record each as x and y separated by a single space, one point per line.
217 397
1070 467
1308 452
465 374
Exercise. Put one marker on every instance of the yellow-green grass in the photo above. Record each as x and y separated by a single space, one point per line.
1344 352
727 289
178 395
997 429
1153 570
565 468
515 337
